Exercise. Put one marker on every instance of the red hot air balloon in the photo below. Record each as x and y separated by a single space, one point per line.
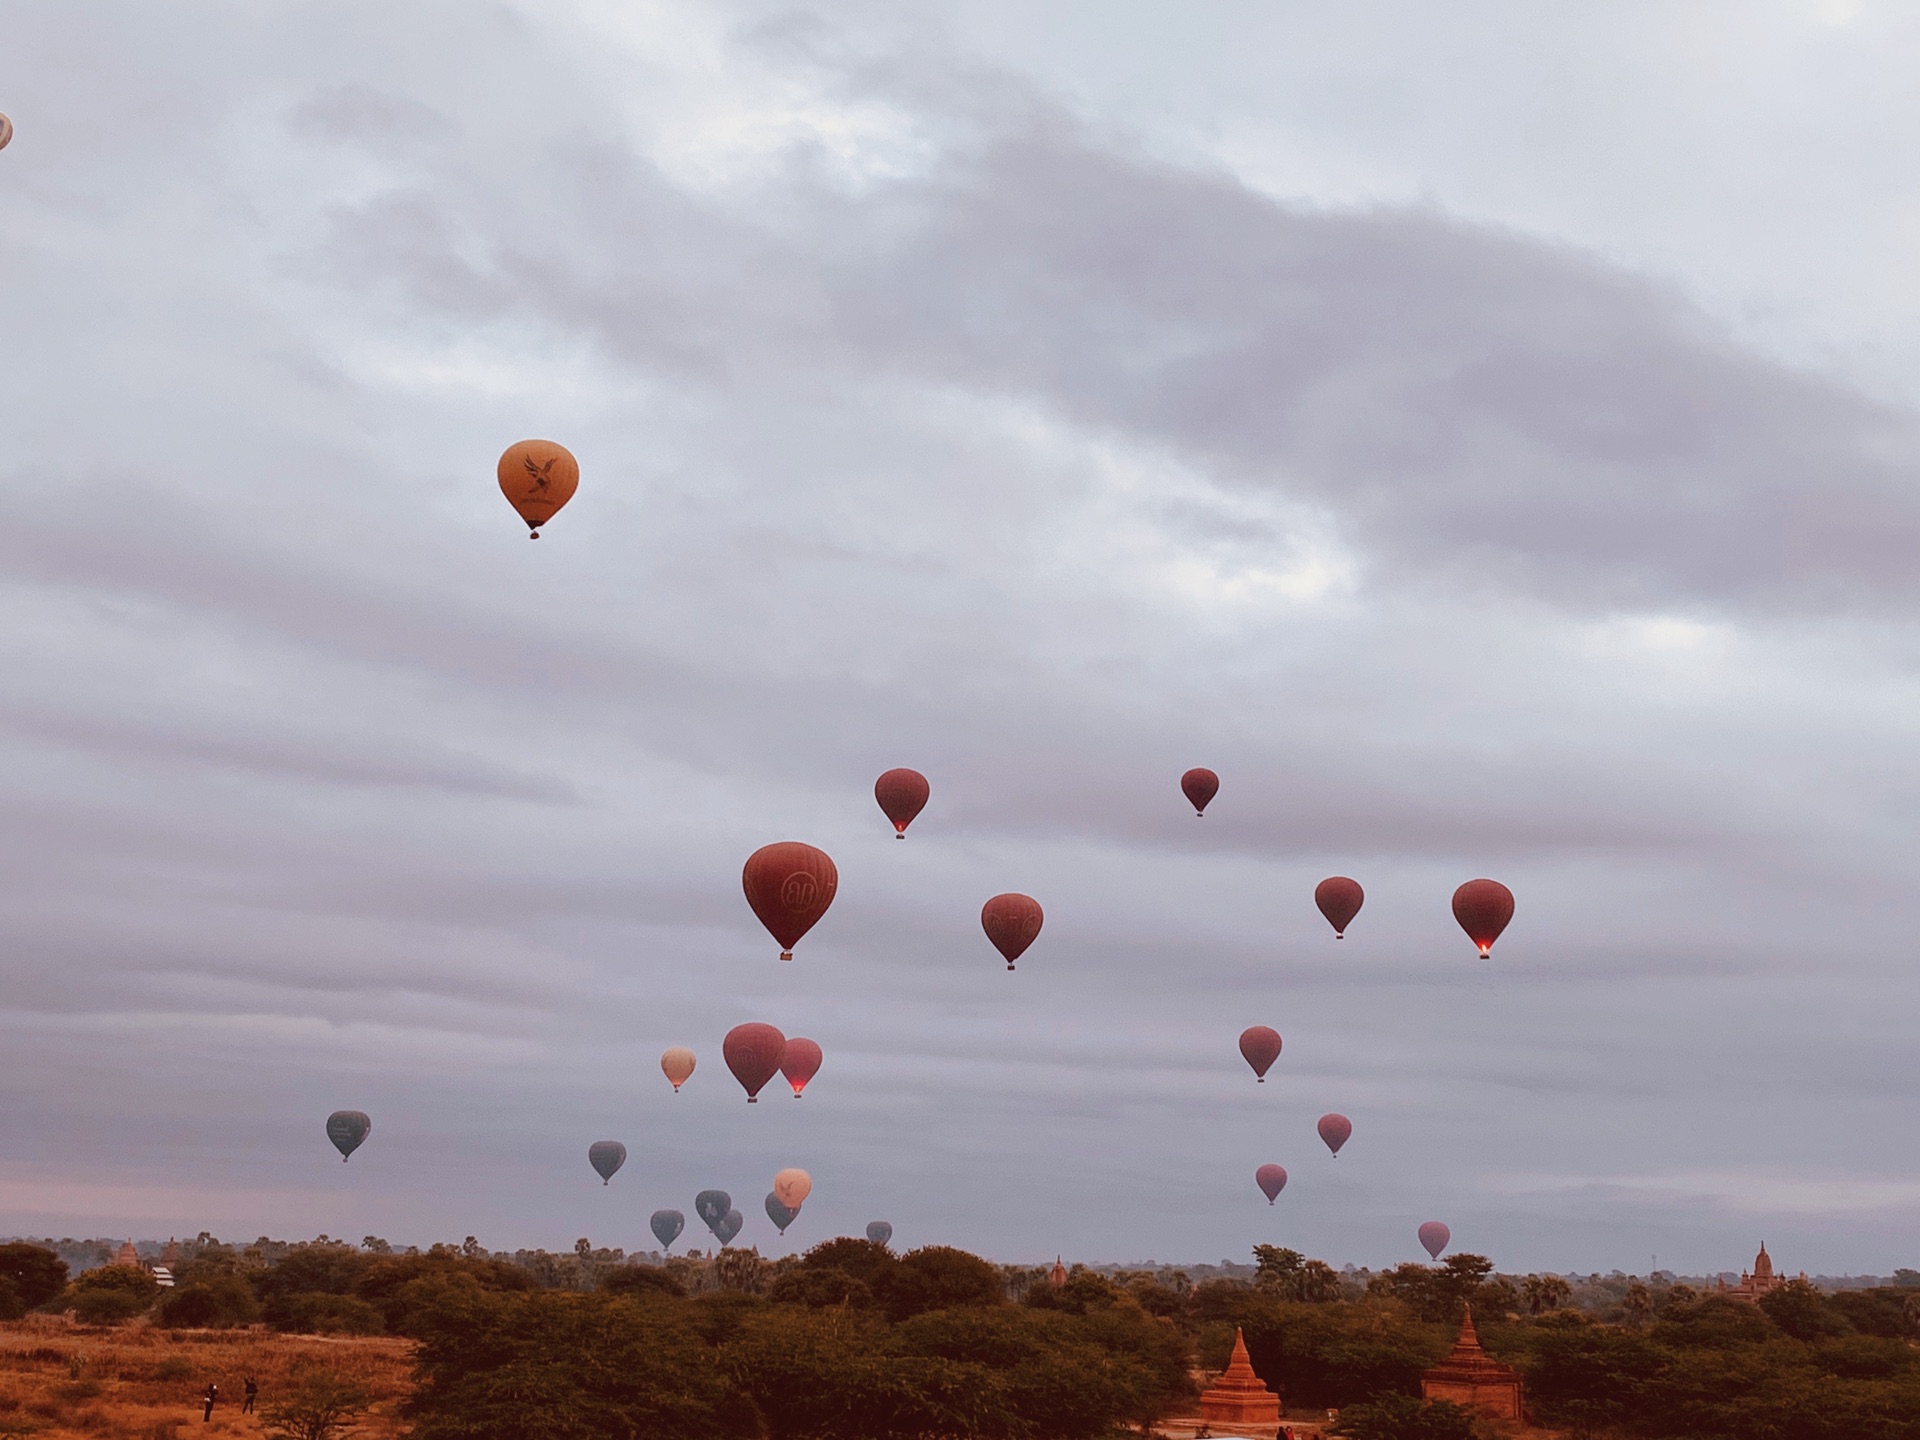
1339 900
1012 923
800 1062
1483 908
1200 787
789 886
1434 1237
1336 1130
1272 1180
753 1053
1261 1045
902 795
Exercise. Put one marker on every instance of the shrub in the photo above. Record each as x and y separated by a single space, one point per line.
33 1274
112 1293
218 1303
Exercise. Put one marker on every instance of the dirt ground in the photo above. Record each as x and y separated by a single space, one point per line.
74 1382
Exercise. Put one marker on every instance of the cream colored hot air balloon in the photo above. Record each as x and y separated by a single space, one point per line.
792 1187
677 1064
6 131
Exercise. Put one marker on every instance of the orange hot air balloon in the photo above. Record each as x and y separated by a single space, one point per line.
753 1054
538 477
1261 1047
676 1063
1483 908
1200 786
902 795
1339 900
800 1062
1012 923
789 886
792 1187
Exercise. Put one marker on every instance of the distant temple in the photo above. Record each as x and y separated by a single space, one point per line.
1057 1277
126 1255
1474 1380
1755 1283
1239 1398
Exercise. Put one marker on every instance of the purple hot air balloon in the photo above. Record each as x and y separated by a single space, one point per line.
1260 1044
1335 1130
1435 1237
1272 1180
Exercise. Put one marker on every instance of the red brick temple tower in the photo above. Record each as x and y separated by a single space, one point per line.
1239 1398
1474 1380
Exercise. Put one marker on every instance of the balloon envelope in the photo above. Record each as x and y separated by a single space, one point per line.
1434 1238
729 1226
1261 1046
789 886
1483 908
606 1157
666 1226
6 131
1200 786
879 1231
780 1215
1272 1180
800 1062
712 1207
676 1063
902 795
538 477
1335 1130
1339 900
1012 923
753 1053
348 1130
793 1186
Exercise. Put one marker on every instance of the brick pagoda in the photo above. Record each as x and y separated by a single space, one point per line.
1474 1380
1239 1398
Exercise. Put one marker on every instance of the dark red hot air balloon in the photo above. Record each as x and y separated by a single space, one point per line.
1483 908
1012 923
902 795
1339 900
753 1053
1261 1046
1336 1130
800 1062
1434 1237
789 886
1272 1180
1200 787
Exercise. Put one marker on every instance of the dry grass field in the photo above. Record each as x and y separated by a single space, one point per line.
65 1382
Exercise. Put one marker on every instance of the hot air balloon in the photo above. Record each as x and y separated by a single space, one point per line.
793 1187
1483 908
1272 1180
667 1225
753 1053
1434 1237
606 1157
902 795
800 1062
676 1063
538 477
1200 787
6 131
789 886
1339 900
1261 1045
1336 1130
781 1215
879 1232
1012 923
348 1130
712 1207
729 1227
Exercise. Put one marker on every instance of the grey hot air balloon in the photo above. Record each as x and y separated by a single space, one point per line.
606 1157
730 1226
779 1214
348 1130
667 1225
712 1207
879 1232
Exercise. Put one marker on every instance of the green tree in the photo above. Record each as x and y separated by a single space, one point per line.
112 1293
1404 1417
1542 1293
215 1302
318 1404
33 1275
1803 1312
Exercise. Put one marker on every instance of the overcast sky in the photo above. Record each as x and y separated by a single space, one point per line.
1487 435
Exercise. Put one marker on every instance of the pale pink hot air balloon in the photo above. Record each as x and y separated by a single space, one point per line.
676 1063
792 1187
1260 1046
1272 1180
1434 1237
1335 1130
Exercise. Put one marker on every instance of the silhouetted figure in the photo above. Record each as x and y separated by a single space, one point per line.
252 1393
213 1394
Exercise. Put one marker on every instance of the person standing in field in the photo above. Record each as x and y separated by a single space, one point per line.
213 1394
251 1392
